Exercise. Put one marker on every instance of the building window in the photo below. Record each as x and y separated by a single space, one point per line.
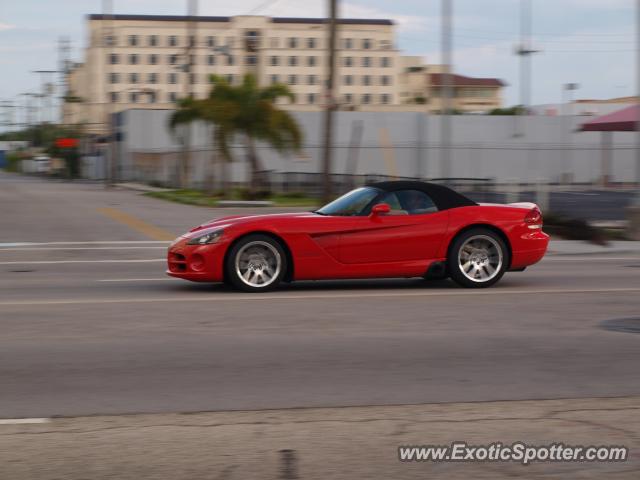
230 60
152 78
133 40
211 41
173 78
113 97
193 79
153 40
192 59
251 60
114 59
311 61
348 98
366 99
192 40
311 42
366 43
173 41
230 79
366 80
133 78
293 42
152 97
348 43
173 96
347 61
173 59
385 62
311 98
366 61
275 61
274 79
312 80
133 97
384 99
385 80
347 80
211 59
114 78
133 59
293 61
153 59
292 80
109 40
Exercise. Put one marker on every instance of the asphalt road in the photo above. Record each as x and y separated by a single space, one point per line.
90 324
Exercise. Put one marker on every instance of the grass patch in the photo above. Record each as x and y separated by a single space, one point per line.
197 197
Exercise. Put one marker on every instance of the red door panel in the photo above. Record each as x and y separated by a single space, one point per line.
393 238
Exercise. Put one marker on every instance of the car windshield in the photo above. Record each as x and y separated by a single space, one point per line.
352 203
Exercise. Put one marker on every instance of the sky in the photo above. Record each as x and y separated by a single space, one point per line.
589 42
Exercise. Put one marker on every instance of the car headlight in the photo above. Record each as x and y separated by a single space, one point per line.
206 238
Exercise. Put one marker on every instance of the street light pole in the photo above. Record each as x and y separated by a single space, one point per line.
567 107
330 103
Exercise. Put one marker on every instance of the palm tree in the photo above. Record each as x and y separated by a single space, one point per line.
216 113
246 110
259 119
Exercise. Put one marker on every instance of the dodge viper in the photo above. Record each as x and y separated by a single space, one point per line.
383 230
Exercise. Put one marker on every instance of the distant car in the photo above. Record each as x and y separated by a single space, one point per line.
41 164
383 230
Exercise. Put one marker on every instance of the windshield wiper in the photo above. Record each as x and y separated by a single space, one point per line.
319 212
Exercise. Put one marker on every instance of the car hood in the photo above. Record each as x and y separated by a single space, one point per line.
225 222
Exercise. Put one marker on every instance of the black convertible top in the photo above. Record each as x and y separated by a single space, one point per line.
444 197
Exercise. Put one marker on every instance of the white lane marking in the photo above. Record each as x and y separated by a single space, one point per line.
36 249
23 421
96 242
46 262
138 280
244 297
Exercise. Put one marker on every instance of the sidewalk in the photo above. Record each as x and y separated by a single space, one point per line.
348 443
578 247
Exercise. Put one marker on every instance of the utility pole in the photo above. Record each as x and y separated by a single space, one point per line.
330 103
107 41
188 64
567 107
446 18
64 66
46 93
524 51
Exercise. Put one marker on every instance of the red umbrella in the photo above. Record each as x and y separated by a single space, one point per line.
624 120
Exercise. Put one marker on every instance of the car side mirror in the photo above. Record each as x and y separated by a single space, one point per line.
380 209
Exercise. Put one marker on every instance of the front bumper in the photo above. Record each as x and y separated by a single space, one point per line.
198 263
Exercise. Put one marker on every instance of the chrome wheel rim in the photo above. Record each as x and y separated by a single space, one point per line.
480 258
258 264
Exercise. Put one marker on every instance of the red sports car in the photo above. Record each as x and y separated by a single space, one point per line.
383 230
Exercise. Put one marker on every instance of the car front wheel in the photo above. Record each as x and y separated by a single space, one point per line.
478 258
256 263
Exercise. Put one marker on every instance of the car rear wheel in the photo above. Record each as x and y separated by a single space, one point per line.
477 258
257 263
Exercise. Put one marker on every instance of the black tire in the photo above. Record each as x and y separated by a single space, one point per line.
483 270
247 245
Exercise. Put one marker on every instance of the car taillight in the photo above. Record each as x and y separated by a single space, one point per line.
533 218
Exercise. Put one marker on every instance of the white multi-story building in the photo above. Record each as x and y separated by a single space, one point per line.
148 61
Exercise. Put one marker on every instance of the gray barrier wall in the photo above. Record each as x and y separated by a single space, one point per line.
404 144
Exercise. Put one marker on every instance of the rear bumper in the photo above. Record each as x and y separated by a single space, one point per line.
529 249
197 263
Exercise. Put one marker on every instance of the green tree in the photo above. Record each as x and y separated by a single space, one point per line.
245 110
